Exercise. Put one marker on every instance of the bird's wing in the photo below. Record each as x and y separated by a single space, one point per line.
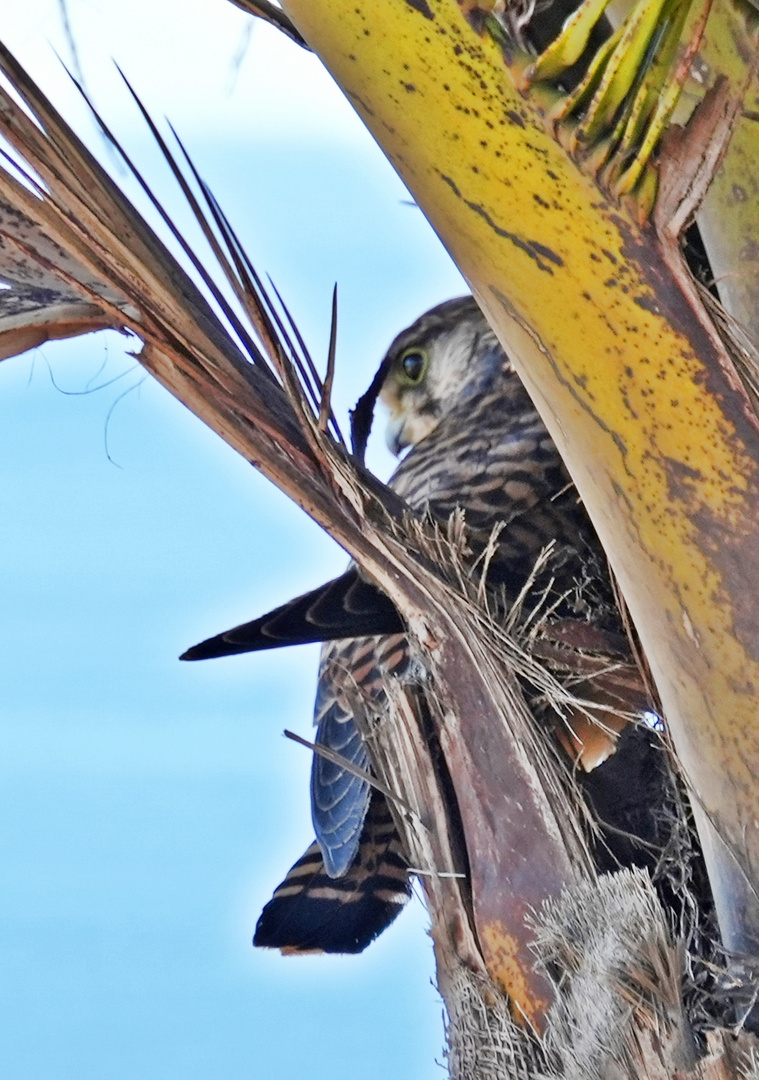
313 912
347 607
351 673
518 480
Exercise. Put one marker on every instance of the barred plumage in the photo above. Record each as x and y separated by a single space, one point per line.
478 444
313 912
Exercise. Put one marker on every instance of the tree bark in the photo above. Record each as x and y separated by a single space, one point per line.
633 379
546 970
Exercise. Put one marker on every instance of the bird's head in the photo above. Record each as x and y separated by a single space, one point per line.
443 358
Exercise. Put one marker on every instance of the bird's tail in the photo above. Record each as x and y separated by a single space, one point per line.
312 912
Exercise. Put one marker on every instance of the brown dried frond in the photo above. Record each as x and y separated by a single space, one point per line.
275 16
619 995
742 350
484 1041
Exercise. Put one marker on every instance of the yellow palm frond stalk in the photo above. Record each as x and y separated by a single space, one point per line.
563 202
242 376
633 377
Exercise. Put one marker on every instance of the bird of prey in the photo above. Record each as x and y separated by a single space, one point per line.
476 445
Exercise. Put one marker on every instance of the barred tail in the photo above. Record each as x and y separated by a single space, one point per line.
312 912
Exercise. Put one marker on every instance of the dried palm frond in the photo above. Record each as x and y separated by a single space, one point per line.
233 355
263 9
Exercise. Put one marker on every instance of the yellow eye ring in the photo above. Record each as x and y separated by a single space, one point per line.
412 365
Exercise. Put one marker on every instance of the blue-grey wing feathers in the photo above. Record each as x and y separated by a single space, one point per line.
339 799
351 674
313 912
479 447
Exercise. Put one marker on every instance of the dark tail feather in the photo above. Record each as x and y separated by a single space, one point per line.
311 912
346 607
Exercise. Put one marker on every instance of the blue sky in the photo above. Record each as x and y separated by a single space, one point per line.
148 807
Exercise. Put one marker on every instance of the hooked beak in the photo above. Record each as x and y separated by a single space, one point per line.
394 435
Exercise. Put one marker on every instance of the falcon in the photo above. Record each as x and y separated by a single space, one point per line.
476 445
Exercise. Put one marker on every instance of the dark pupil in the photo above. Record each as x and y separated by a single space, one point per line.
413 363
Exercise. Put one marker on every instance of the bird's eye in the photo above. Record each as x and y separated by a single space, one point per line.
413 366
